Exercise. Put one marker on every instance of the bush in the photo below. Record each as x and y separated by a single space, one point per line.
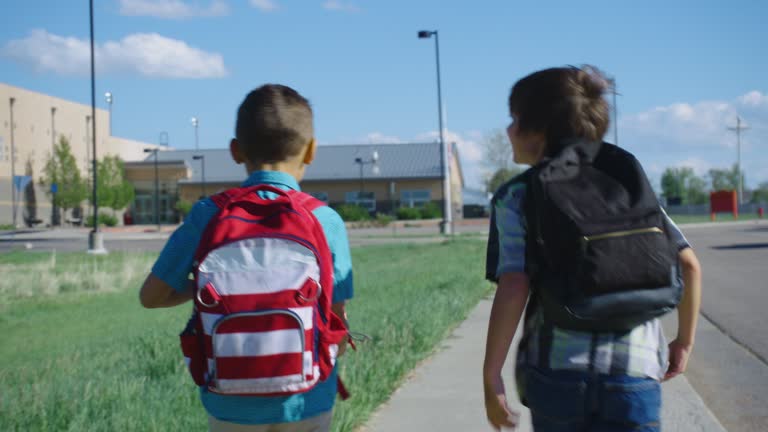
104 219
353 213
431 211
183 207
384 219
408 213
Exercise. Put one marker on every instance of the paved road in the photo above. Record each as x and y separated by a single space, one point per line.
729 367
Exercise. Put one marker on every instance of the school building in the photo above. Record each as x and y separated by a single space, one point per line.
403 174
406 175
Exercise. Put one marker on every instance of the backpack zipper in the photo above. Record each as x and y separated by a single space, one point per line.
624 233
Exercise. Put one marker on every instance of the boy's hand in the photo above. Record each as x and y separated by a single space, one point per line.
678 358
496 408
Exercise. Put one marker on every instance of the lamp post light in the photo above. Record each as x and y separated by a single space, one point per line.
447 223
201 158
157 187
13 166
95 238
195 123
374 162
108 97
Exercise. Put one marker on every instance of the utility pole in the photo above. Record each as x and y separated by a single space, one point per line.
739 127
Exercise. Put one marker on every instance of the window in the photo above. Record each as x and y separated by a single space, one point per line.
414 198
322 196
366 200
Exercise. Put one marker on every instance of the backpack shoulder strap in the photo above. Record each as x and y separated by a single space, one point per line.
306 200
221 198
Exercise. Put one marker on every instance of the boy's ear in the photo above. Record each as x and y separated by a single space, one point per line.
309 153
234 151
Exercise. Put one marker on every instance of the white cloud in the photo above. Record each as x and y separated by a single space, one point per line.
172 9
144 54
264 5
754 99
697 135
337 5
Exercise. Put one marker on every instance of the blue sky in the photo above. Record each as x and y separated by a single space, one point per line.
684 69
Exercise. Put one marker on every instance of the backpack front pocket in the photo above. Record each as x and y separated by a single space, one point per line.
263 352
624 260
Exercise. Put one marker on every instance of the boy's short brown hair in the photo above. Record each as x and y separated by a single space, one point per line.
274 124
563 103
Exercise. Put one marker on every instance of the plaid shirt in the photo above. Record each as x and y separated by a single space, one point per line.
641 352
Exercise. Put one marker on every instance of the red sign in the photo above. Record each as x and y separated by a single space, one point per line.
723 202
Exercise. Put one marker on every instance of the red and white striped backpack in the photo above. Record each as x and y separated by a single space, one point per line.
263 323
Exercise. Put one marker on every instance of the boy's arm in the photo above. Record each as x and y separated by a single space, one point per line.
687 314
508 305
155 293
168 284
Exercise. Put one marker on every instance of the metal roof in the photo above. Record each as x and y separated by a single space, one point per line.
332 162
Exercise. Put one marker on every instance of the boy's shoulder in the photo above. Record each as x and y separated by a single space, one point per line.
515 186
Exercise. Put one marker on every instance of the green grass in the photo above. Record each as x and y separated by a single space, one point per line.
721 217
90 358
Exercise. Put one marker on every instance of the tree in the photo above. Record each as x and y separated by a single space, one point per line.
497 155
726 179
760 195
61 169
501 176
497 151
683 185
113 191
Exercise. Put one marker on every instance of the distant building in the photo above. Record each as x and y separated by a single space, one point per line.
406 175
39 122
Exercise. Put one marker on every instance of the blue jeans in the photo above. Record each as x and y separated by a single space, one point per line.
569 401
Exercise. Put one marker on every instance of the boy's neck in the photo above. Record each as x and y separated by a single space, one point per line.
291 168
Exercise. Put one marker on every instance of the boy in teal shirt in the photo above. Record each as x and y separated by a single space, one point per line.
275 141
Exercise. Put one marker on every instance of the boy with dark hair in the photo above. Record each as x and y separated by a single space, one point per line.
581 241
275 141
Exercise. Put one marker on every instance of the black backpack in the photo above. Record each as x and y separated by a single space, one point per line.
599 253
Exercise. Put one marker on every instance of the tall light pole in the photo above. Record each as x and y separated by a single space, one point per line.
373 161
95 239
108 97
201 158
739 127
447 223
157 188
195 122
54 186
13 166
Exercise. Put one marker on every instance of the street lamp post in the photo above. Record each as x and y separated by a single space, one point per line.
447 223
195 123
108 97
95 239
13 166
54 187
157 188
374 160
201 158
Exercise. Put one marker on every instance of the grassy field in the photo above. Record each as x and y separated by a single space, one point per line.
79 353
686 219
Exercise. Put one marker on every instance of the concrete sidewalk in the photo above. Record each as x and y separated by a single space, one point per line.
445 393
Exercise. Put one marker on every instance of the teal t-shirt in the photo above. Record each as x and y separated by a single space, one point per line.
174 265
